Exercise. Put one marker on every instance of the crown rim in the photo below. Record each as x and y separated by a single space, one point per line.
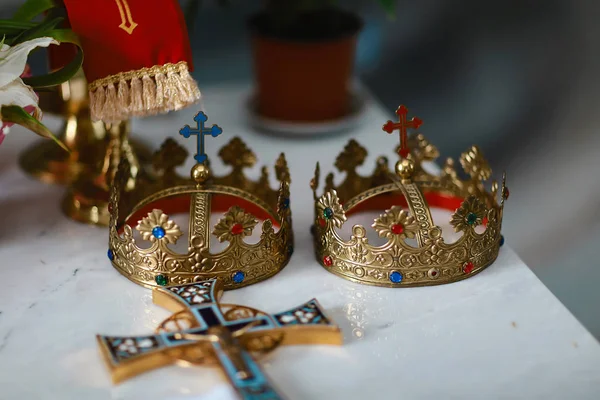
433 262
239 264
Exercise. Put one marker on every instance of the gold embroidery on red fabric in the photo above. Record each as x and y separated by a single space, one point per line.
127 23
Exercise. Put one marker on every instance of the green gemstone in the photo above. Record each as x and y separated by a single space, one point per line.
161 280
471 218
328 213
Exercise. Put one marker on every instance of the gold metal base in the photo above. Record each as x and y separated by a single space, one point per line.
87 197
48 163
95 152
85 202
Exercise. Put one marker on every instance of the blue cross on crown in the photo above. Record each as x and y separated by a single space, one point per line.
200 131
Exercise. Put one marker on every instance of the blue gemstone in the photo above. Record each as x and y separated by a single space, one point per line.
285 203
396 277
110 254
328 213
158 232
501 240
238 277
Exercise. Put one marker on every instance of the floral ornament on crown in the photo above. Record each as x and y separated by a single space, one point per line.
330 209
158 226
353 156
234 223
475 164
237 154
170 156
395 222
469 215
424 149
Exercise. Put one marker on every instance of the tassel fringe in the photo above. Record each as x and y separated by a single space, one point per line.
148 91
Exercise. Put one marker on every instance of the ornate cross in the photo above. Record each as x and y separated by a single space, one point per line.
203 331
390 127
200 131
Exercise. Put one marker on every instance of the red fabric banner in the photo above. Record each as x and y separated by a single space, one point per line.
127 35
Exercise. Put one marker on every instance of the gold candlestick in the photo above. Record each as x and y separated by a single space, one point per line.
95 151
49 163
87 198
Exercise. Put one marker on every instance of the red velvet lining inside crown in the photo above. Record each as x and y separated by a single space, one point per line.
387 200
181 204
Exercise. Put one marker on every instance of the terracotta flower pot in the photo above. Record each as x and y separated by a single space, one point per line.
304 80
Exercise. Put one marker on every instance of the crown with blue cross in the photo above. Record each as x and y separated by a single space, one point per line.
412 250
250 207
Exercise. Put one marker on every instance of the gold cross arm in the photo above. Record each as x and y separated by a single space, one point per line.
204 331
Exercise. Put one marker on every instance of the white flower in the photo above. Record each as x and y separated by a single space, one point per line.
12 89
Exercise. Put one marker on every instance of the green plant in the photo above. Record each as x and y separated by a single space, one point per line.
22 28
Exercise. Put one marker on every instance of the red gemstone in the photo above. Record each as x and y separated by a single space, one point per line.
468 267
397 229
328 261
237 229
506 193
110 208
433 273
322 223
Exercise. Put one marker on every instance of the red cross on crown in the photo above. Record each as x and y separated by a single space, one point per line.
402 126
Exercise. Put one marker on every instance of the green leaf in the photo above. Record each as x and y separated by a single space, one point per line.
67 72
9 27
19 116
389 6
37 31
32 8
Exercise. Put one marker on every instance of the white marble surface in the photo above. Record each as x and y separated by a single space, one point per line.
498 335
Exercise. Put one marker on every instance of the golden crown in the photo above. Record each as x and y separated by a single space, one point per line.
415 253
244 201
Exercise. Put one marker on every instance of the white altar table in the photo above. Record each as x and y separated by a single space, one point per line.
499 335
